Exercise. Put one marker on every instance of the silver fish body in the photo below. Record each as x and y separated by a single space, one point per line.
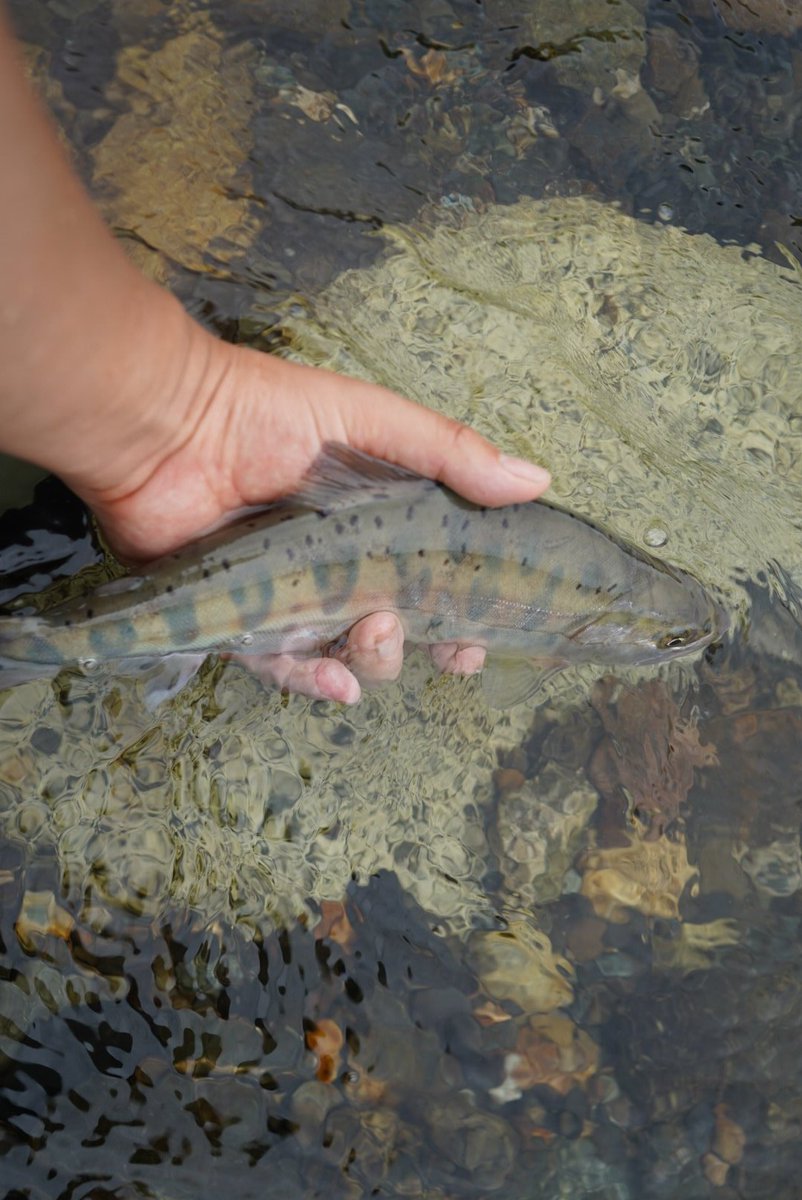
527 581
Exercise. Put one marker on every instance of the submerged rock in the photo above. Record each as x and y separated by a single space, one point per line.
518 964
656 373
649 876
536 833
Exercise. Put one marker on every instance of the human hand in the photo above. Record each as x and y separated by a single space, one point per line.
164 430
255 426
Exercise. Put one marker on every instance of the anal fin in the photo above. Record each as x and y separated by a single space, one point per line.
507 682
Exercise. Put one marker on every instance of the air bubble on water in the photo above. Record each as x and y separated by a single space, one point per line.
247 639
665 212
655 536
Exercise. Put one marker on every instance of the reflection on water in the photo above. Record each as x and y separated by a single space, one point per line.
422 948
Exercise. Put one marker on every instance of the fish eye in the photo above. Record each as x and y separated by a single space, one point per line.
675 639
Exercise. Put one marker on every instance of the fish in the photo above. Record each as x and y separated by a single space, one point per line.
537 586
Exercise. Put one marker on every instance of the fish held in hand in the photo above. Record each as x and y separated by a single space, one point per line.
534 585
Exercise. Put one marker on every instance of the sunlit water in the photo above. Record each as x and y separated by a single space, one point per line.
424 948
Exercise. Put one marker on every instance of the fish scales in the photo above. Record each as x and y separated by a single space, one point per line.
527 580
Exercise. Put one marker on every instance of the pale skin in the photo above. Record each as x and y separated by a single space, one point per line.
166 431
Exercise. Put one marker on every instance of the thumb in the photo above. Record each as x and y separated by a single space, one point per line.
387 426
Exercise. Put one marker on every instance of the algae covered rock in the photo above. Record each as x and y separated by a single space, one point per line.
656 373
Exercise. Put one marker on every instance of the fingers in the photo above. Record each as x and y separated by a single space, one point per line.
374 650
452 658
318 678
373 654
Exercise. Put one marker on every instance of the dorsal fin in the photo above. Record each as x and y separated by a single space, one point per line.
341 476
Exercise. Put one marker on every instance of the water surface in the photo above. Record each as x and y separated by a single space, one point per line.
424 948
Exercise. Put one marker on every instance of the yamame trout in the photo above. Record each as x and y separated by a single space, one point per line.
530 582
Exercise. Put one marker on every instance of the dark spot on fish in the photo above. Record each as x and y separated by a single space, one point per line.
378 522
290 554
505 524
579 587
478 567
411 512
226 565
266 544
421 553
295 582
339 527
206 572
67 622
463 548
368 554
177 557
310 541
516 507
466 523
169 588
524 561
90 612
354 520
387 551
598 591
444 521
483 512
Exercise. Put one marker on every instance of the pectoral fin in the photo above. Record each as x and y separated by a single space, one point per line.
12 673
163 678
507 682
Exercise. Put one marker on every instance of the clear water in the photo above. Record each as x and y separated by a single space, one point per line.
420 948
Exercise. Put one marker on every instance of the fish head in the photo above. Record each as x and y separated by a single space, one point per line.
666 614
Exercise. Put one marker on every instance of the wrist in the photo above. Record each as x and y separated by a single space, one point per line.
119 390
142 404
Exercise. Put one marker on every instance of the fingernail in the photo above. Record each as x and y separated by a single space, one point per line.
521 469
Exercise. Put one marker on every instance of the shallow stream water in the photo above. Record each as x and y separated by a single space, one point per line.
425 948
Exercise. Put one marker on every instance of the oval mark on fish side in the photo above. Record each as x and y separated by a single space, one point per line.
343 578
182 622
112 640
